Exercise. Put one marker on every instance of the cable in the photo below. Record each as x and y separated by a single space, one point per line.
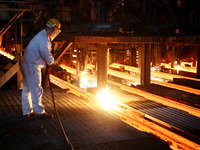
56 111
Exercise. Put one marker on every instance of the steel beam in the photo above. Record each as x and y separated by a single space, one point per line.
63 49
3 30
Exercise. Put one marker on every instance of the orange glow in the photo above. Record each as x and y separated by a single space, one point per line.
178 68
106 99
84 81
133 118
182 67
6 54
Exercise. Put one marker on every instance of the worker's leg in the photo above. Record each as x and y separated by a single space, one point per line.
34 82
26 98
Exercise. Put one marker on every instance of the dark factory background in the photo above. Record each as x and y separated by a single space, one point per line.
105 18
127 75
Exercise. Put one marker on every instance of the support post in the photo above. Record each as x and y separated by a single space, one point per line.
145 68
70 57
158 56
132 56
108 57
172 60
19 74
77 62
101 65
86 59
194 64
153 54
198 63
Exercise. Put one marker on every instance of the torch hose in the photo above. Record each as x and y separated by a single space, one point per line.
56 111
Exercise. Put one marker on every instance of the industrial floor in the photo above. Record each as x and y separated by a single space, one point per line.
87 126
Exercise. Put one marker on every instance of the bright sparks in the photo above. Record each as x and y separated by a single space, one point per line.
106 99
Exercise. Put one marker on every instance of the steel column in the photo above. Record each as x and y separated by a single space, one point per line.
198 63
145 72
101 65
172 55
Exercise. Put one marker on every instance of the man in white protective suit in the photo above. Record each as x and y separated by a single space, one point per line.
37 56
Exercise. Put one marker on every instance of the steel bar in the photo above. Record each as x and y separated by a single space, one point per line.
11 22
137 121
164 101
153 73
166 84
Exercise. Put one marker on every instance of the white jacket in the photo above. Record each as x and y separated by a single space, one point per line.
38 52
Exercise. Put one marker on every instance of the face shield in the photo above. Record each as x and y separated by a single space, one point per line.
55 33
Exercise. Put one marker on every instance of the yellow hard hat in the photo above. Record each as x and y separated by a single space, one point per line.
53 22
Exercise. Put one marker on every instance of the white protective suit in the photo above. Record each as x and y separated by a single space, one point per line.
36 56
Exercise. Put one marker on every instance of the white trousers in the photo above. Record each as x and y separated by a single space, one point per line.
32 90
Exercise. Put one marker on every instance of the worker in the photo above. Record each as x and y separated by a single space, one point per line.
37 55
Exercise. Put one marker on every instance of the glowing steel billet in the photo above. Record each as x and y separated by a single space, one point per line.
170 85
175 141
153 73
123 75
178 87
130 116
137 79
167 102
6 54
69 69
180 68
73 89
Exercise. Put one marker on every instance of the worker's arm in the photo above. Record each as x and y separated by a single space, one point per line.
45 51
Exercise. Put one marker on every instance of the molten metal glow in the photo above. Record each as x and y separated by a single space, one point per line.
178 68
184 66
106 99
136 83
84 81
155 68
8 55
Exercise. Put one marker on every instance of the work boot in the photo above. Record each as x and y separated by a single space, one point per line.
44 115
32 114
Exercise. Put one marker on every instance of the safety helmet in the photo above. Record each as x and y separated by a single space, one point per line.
53 22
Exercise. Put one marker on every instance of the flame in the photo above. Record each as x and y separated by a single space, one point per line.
106 99
8 55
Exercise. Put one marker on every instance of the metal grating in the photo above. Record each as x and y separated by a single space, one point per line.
140 105
172 116
175 117
87 126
